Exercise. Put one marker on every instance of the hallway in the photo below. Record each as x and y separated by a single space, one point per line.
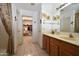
30 49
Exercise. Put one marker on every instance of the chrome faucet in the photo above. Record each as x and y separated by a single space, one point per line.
70 35
53 32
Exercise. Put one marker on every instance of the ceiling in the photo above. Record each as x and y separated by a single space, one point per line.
73 6
48 7
29 6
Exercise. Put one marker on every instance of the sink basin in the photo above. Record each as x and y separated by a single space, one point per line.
68 38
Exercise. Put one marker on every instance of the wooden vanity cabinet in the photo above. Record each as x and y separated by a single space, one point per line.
67 49
57 47
46 43
62 48
54 48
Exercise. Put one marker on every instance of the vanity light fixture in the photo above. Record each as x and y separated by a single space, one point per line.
48 17
61 6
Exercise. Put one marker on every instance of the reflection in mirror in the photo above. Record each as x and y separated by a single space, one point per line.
70 18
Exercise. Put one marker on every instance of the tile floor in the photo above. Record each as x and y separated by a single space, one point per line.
28 48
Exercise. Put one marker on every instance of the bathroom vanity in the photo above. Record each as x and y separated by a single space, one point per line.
66 43
60 45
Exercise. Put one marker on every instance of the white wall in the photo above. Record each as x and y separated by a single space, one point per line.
50 9
19 27
14 26
48 26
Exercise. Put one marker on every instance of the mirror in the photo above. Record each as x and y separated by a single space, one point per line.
70 18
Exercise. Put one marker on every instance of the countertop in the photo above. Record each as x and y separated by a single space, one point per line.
74 40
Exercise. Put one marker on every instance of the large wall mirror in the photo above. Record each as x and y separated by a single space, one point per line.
70 18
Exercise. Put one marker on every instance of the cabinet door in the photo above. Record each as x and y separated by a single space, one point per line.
53 50
44 42
48 45
67 49
64 52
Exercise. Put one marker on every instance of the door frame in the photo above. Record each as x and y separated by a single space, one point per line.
34 15
31 20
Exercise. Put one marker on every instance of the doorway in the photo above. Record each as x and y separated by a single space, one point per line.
27 28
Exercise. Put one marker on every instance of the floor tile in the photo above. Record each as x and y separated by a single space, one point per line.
28 48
